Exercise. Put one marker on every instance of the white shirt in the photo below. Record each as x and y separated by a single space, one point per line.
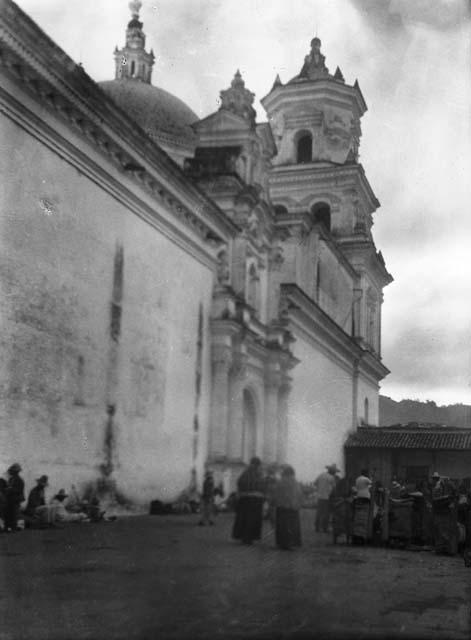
362 485
325 484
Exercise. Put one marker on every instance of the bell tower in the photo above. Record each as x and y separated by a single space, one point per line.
315 117
133 62
323 201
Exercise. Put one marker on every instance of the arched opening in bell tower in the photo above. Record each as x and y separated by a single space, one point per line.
249 426
304 147
321 213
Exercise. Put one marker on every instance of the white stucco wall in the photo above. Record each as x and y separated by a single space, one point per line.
319 413
370 391
58 237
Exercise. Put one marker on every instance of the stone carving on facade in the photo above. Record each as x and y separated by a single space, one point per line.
277 123
239 366
336 131
276 257
221 357
253 287
253 225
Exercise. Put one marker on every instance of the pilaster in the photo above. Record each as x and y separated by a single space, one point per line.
282 437
235 441
221 362
271 427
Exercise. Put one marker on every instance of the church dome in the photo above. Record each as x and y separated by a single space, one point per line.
163 116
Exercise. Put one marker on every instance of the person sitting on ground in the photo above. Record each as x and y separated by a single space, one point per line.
288 500
61 513
207 500
14 497
91 507
75 504
37 512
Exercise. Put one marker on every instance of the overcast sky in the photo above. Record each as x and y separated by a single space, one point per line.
412 60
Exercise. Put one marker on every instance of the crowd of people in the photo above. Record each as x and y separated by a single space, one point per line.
284 497
359 507
38 511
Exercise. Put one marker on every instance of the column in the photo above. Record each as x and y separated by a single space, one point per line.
282 439
221 363
235 443
270 434
355 374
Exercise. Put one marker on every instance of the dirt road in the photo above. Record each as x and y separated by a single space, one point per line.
164 577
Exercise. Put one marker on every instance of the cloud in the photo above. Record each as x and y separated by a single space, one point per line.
392 18
427 360
411 58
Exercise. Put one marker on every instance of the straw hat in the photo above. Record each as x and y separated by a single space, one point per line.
14 468
333 468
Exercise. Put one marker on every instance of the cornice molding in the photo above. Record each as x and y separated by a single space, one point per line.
117 188
306 315
294 177
101 122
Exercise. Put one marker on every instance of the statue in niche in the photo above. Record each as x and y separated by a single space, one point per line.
253 287
223 270
253 225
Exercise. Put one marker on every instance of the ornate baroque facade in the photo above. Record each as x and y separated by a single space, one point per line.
189 292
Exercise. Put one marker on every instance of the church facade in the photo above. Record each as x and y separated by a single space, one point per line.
180 292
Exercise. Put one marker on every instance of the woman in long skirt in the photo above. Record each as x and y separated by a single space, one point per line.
288 502
249 510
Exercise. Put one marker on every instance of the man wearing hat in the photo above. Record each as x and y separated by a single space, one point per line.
60 512
14 497
325 484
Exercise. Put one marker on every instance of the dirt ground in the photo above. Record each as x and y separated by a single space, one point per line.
162 577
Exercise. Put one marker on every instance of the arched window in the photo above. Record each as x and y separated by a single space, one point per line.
280 210
321 213
304 149
133 68
366 411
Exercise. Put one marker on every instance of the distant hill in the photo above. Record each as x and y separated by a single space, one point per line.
392 412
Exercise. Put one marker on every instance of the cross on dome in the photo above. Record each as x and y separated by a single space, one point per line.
135 7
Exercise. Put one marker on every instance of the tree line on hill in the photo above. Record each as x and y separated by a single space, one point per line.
405 411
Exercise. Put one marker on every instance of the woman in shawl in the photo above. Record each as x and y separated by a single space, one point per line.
288 500
249 509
